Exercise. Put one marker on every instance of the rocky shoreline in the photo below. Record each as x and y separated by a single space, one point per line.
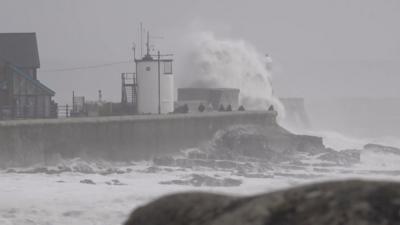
252 147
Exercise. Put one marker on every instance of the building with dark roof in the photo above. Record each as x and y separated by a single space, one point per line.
22 95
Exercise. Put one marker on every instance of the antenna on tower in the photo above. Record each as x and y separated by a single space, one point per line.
148 56
141 39
148 44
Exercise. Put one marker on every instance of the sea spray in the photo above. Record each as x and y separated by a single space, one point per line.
227 63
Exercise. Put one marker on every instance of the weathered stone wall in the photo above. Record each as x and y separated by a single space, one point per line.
123 138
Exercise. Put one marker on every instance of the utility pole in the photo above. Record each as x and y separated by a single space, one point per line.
73 101
134 51
159 83
100 96
148 44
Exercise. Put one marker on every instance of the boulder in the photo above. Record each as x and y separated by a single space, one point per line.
332 203
273 143
235 145
343 158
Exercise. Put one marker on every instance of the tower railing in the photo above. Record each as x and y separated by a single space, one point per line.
129 92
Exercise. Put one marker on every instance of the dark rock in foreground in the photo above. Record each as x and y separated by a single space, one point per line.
333 203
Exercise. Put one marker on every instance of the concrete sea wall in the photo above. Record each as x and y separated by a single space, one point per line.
125 138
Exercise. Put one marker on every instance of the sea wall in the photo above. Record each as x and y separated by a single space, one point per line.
125 138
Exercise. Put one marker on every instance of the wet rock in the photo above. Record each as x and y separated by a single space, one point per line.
45 170
204 163
196 154
87 181
73 213
272 143
332 203
219 164
226 164
64 169
254 175
152 169
297 175
81 167
164 160
204 180
382 148
342 158
236 146
113 171
114 182
384 172
11 171
322 170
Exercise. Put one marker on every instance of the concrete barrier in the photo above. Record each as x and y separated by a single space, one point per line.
123 138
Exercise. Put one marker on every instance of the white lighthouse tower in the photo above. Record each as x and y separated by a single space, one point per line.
155 83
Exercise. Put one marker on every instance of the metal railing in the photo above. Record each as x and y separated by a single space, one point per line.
24 112
6 113
64 111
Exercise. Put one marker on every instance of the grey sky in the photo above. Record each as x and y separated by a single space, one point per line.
321 48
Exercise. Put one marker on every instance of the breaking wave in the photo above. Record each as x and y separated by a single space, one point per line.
226 63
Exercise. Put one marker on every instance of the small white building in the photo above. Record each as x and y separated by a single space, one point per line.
155 85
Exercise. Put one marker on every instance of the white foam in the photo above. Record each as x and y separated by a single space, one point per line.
229 63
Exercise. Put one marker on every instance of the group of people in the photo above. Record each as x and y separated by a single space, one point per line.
202 108
209 108
221 108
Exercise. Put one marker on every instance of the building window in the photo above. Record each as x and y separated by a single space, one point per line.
147 68
168 67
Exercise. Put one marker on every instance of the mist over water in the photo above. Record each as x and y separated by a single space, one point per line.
228 63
